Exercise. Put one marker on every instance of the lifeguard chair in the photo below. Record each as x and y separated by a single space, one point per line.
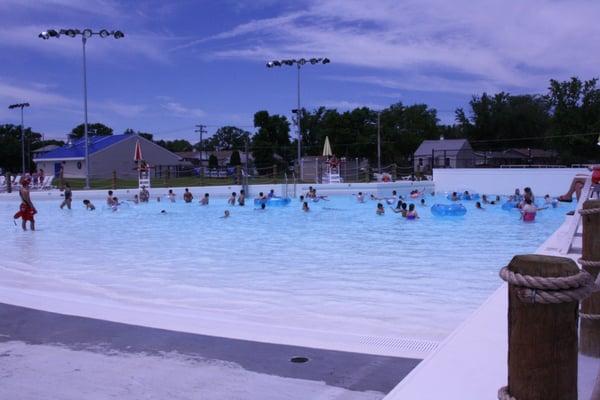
143 167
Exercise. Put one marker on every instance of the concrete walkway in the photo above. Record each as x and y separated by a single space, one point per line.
349 371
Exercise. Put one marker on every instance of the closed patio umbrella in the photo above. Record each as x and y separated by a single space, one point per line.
327 148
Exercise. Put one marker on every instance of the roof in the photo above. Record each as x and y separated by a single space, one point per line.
45 148
427 146
520 153
76 150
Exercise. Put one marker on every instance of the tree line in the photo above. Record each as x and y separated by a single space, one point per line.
566 119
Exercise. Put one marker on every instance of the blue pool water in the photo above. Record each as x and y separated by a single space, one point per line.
339 267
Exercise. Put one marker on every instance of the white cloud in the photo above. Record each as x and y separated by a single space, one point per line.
494 44
180 110
34 96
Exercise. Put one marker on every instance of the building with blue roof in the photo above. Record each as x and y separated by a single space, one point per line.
106 154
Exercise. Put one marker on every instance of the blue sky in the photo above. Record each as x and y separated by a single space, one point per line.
184 63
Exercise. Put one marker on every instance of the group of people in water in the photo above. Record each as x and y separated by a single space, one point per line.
524 202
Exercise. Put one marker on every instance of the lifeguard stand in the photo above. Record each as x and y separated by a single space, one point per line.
144 175
332 172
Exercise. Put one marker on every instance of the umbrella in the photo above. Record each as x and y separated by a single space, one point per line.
137 154
327 147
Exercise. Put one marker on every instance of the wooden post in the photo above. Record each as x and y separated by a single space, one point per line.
114 179
590 329
542 338
238 175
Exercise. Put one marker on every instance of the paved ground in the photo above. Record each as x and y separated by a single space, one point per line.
77 335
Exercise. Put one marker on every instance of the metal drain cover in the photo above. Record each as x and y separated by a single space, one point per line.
299 360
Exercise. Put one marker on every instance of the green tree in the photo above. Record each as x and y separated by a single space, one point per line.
95 129
575 107
213 162
272 138
502 121
177 145
228 138
235 158
10 147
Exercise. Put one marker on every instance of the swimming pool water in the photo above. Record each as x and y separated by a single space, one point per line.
339 267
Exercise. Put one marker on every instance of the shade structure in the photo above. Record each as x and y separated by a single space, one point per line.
137 154
327 148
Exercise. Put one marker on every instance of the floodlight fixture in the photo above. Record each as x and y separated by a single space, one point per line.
104 33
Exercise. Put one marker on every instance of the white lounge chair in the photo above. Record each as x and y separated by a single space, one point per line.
47 184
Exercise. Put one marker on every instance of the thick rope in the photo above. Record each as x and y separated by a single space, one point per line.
552 290
588 263
588 211
504 395
591 317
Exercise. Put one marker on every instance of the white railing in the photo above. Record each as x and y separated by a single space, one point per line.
576 220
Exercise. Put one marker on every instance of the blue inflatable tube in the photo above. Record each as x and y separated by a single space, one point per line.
442 210
509 205
461 196
273 201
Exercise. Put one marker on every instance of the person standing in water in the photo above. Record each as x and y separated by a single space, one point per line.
68 197
187 196
204 200
231 200
242 198
26 209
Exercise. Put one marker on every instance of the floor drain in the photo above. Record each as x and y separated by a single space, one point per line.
299 360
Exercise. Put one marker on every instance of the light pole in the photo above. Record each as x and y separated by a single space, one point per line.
299 63
85 35
21 106
379 142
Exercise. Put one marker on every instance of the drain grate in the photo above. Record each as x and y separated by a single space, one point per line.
405 344
299 360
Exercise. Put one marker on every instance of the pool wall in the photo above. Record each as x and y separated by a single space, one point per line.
552 181
380 189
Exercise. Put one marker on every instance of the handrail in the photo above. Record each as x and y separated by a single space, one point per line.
574 224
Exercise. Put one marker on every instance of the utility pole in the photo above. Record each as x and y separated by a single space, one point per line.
201 130
379 142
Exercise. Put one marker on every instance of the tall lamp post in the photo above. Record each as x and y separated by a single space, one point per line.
21 106
299 63
85 35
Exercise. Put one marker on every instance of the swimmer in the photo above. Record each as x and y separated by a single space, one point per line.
226 214
550 201
158 199
301 198
466 195
422 202
242 198
393 199
171 196
204 200
68 197
163 211
398 207
231 200
88 205
412 213
478 206
144 195
188 196
109 199
380 210
360 197
305 207
263 207
115 204
271 194
261 196
454 196
484 199
136 199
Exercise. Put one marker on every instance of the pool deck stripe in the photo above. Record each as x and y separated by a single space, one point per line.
352 371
